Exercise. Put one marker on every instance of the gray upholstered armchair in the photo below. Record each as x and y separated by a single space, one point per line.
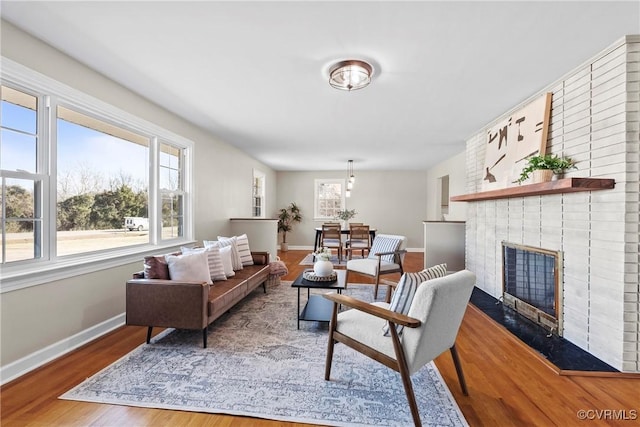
430 328
385 257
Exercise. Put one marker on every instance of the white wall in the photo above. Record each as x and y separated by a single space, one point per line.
595 121
453 167
393 202
39 321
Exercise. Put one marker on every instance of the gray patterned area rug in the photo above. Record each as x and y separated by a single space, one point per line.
260 365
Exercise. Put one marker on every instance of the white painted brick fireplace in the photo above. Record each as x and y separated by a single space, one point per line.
595 120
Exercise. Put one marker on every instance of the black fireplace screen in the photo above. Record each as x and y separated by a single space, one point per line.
530 275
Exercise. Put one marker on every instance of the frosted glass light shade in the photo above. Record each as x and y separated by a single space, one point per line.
350 75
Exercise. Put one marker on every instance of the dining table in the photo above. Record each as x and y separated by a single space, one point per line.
318 239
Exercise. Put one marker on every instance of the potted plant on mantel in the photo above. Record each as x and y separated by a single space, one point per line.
544 167
286 218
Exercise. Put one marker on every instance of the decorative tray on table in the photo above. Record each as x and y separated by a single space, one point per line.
311 276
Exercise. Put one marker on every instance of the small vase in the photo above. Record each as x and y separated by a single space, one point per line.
542 175
322 268
345 224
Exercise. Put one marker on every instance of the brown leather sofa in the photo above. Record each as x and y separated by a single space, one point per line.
190 305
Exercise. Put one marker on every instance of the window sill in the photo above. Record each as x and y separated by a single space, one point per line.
35 274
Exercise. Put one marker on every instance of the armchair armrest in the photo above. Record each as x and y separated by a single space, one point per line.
388 282
374 310
392 288
398 252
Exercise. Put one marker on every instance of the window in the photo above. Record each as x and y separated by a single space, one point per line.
172 190
102 179
257 195
75 172
329 198
22 178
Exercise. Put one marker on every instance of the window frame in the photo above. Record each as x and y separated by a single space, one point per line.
316 201
258 175
40 175
50 267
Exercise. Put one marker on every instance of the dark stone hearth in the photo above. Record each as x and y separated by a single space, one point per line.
557 350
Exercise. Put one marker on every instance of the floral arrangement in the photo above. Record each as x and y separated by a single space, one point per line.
322 254
346 214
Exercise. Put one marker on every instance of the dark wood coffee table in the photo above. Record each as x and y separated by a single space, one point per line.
318 308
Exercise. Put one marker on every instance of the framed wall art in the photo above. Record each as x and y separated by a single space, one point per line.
512 140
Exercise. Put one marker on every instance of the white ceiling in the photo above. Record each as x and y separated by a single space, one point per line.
255 73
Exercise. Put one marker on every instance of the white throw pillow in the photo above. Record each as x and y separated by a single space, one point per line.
209 243
225 254
216 269
235 254
406 289
189 267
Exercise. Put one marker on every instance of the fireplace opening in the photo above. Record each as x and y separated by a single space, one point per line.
532 284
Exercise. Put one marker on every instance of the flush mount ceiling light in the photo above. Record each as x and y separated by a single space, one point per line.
351 74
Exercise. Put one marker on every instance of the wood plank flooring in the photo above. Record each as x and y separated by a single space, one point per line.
508 385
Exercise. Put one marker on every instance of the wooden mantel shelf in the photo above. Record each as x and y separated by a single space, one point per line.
566 185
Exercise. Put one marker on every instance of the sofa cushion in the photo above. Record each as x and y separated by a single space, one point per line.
155 267
192 267
224 295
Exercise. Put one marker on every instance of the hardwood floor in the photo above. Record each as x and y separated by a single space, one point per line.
508 385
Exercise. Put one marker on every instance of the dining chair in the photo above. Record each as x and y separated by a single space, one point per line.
359 240
332 238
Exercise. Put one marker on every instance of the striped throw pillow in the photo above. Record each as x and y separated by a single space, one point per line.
235 253
244 250
214 260
384 244
406 289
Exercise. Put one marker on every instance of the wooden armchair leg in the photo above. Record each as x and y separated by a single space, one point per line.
375 290
204 337
403 368
456 362
331 344
149 334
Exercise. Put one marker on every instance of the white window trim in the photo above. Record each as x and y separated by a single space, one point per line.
22 275
259 174
316 183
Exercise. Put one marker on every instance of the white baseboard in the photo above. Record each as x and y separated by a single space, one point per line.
34 360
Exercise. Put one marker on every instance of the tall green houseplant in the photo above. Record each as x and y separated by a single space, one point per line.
286 218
